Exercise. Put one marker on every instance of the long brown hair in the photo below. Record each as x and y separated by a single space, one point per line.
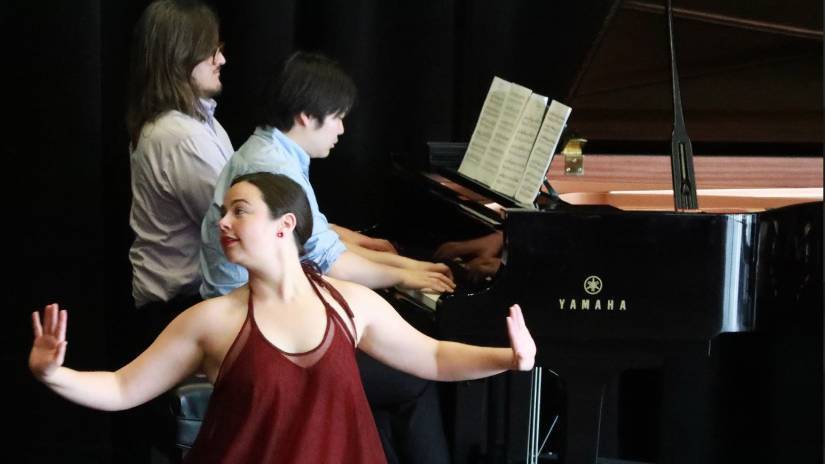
169 40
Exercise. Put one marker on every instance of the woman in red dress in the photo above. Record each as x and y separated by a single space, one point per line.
279 350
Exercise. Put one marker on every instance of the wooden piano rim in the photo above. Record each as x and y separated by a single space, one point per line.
639 172
710 201
725 184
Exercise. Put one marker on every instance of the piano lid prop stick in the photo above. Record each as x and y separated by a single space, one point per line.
684 184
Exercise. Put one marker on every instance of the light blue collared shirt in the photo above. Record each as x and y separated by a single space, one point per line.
267 150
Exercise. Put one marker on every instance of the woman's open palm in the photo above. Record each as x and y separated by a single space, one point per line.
49 346
524 348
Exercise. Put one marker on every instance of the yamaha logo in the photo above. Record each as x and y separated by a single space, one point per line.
593 285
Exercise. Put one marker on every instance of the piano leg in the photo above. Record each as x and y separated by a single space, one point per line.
542 413
491 419
533 420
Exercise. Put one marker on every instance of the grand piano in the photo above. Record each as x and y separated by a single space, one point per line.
665 335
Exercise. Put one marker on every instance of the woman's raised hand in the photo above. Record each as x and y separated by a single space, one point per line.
524 348
49 346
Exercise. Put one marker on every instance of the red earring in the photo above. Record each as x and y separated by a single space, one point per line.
280 234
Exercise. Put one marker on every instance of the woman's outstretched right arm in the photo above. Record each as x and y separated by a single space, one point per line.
174 355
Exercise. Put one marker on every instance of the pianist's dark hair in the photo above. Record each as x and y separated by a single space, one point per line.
282 195
306 83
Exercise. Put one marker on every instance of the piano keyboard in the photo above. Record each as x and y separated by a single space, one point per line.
427 299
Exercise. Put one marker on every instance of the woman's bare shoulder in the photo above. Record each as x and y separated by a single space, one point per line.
346 287
355 293
217 312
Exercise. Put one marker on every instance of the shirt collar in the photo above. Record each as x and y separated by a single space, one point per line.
208 106
291 148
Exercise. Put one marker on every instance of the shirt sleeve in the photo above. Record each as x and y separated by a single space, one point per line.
192 173
324 246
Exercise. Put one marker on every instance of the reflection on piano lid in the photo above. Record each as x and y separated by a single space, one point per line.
487 209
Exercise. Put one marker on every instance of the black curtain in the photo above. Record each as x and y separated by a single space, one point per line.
422 70
54 223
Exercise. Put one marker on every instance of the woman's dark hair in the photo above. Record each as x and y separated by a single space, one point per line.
306 83
170 39
282 195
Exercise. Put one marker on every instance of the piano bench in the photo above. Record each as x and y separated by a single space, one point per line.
189 401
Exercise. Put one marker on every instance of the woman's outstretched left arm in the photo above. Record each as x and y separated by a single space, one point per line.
390 339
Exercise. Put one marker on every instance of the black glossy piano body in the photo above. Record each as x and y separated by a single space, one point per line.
676 337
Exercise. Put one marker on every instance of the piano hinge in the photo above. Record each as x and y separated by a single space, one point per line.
573 158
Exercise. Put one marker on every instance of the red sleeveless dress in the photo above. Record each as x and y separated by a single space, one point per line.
270 406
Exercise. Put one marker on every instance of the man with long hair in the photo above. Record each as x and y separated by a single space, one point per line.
178 149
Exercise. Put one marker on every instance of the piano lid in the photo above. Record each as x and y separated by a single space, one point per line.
751 78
